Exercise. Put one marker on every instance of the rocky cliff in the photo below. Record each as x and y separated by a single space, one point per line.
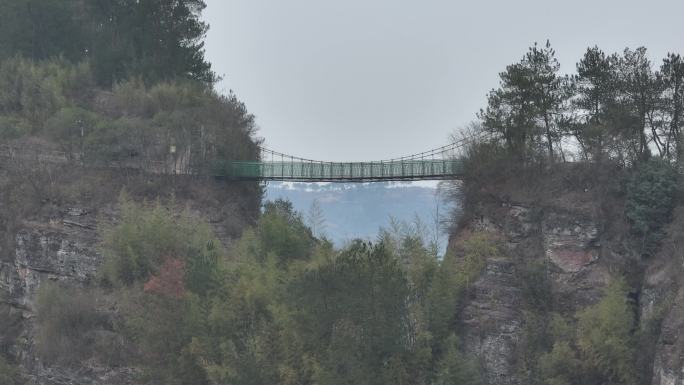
565 242
51 234
576 236
563 245
662 305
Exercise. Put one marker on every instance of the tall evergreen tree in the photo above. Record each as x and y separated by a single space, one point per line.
594 87
672 73
639 92
155 39
152 39
353 312
40 29
528 103
511 110
549 92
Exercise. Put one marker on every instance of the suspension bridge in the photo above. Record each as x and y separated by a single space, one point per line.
444 162
436 164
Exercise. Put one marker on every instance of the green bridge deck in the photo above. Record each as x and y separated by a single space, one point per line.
316 171
436 164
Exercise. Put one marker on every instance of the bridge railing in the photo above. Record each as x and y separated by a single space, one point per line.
331 171
439 163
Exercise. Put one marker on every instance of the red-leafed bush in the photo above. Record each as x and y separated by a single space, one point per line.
169 281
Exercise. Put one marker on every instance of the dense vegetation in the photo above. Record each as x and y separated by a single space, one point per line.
616 112
125 83
618 121
598 345
120 83
616 107
9 374
156 40
131 126
191 312
280 307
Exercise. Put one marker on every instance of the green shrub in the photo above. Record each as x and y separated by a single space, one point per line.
123 141
650 201
131 99
11 85
177 96
486 161
452 280
136 247
604 335
282 232
600 350
561 329
70 127
353 312
65 316
560 366
176 255
162 328
212 128
12 128
9 374
476 250
456 368
34 91
57 99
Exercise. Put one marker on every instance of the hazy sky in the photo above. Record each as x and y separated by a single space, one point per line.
371 79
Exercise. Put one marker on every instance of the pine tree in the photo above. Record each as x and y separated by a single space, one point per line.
594 87
549 92
639 93
510 110
672 72
154 39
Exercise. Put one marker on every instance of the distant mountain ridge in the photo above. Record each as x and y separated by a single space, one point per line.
359 210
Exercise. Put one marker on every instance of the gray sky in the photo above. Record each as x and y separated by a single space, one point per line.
366 80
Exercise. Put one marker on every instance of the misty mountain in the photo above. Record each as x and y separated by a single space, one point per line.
359 210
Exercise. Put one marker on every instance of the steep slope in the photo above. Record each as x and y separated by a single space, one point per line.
51 234
566 238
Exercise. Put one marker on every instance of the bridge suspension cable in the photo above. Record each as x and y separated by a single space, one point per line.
439 163
448 150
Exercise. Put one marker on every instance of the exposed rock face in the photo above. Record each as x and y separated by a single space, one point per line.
578 257
572 246
662 305
580 260
64 249
570 243
493 317
61 244
668 365
52 252
492 321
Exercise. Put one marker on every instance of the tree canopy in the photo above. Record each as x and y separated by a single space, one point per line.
617 107
154 39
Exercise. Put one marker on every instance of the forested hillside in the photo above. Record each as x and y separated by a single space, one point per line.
155 40
117 83
581 177
123 262
616 111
